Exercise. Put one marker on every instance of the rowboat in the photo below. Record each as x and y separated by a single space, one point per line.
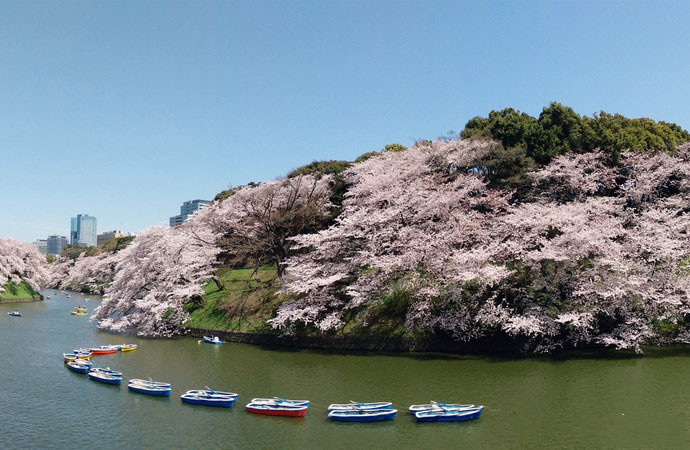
278 401
128 347
359 406
150 387
79 365
107 376
365 415
14 313
209 398
277 410
104 350
438 406
448 415
69 357
78 313
80 308
211 340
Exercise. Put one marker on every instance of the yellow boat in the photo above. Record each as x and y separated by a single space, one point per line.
78 313
80 308
128 347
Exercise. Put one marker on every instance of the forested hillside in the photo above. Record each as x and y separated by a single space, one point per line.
544 233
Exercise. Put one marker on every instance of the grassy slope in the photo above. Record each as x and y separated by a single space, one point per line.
21 291
248 300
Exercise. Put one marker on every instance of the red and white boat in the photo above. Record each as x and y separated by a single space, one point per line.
277 410
104 350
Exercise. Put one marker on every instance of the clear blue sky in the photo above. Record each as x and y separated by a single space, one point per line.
124 109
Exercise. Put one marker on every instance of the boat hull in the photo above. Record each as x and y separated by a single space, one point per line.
147 391
278 412
374 416
114 381
225 403
78 369
457 416
103 352
280 401
358 406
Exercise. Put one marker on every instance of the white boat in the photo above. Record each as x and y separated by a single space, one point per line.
437 406
360 406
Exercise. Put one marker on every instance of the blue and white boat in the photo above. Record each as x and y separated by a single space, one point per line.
449 415
79 366
211 340
209 397
364 415
14 313
360 406
438 406
107 375
279 401
150 387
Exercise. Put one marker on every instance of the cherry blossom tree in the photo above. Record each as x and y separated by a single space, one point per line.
19 262
164 267
614 239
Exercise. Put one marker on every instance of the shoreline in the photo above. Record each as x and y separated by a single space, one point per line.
395 345
20 300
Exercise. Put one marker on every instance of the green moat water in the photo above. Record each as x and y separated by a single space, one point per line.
584 401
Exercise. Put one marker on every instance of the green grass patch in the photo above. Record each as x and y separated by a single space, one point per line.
248 299
21 291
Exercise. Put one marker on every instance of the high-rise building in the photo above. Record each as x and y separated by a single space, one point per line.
108 235
56 243
187 209
41 245
83 230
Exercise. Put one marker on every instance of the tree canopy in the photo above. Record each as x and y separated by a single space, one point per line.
559 129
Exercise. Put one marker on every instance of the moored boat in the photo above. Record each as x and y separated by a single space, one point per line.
79 366
211 340
362 415
209 398
14 313
150 387
107 375
278 401
360 406
104 350
449 415
277 410
128 347
438 406
76 355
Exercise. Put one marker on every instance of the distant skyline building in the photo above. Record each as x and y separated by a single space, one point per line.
187 209
108 235
83 230
56 243
41 245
